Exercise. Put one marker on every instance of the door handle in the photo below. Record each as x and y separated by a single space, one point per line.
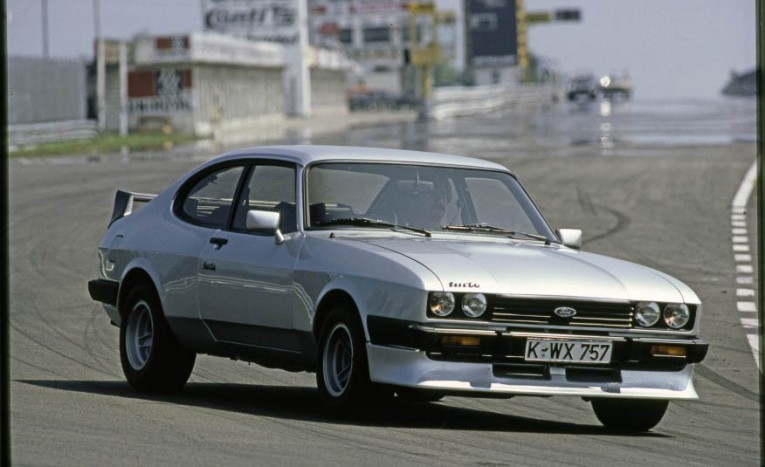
218 242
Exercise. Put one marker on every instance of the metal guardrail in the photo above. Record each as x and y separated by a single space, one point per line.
460 101
36 133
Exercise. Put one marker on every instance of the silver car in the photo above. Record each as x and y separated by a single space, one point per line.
388 273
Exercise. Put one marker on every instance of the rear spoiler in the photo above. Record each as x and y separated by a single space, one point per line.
123 203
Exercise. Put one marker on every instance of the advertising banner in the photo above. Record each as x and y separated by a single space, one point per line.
492 33
159 92
258 20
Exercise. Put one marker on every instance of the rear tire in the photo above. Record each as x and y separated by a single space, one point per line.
152 359
342 374
629 415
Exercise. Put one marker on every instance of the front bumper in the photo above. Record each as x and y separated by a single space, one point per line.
416 355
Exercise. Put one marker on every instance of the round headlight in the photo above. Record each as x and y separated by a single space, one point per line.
473 304
647 313
676 315
441 303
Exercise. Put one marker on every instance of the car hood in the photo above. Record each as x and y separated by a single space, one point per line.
534 269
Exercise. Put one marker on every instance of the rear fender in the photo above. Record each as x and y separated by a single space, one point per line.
138 272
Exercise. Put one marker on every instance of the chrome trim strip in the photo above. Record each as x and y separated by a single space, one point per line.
562 297
471 332
534 335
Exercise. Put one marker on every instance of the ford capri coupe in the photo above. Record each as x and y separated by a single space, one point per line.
388 273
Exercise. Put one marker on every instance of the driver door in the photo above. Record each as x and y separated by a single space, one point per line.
245 278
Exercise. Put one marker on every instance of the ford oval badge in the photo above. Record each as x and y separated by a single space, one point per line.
564 312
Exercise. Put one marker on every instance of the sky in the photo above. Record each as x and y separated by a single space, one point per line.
671 48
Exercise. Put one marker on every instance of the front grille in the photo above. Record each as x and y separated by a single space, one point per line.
509 310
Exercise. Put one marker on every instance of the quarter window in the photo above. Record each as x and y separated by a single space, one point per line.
209 201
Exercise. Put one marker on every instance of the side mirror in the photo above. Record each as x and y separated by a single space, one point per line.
266 222
570 237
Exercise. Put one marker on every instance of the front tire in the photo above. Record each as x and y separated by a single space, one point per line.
629 415
151 357
342 374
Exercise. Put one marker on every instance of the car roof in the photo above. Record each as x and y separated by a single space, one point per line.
308 154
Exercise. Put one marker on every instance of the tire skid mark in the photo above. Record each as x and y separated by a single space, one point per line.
56 352
585 202
37 367
348 439
701 410
76 343
43 259
90 335
330 433
625 444
370 442
682 453
471 441
720 380
377 445
217 447
29 335
42 262
105 338
622 223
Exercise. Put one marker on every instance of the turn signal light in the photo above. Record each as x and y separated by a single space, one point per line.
669 350
464 341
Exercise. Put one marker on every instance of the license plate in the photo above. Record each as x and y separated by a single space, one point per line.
568 351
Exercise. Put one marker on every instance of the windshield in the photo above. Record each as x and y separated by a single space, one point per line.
422 197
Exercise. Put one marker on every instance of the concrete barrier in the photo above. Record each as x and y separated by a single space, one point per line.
457 101
36 133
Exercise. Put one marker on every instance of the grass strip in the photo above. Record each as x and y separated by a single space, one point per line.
103 144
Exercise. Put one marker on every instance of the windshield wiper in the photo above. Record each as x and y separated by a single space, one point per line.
367 222
493 229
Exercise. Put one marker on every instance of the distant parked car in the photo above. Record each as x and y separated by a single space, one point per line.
383 100
582 88
388 271
615 87
741 84
372 100
408 100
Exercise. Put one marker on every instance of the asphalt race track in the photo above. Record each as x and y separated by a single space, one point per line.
666 207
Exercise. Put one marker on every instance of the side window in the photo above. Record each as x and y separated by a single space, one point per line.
209 201
269 188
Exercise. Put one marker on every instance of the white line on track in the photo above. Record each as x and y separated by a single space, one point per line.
744 269
740 240
745 292
749 307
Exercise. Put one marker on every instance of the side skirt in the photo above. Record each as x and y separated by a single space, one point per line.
286 349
